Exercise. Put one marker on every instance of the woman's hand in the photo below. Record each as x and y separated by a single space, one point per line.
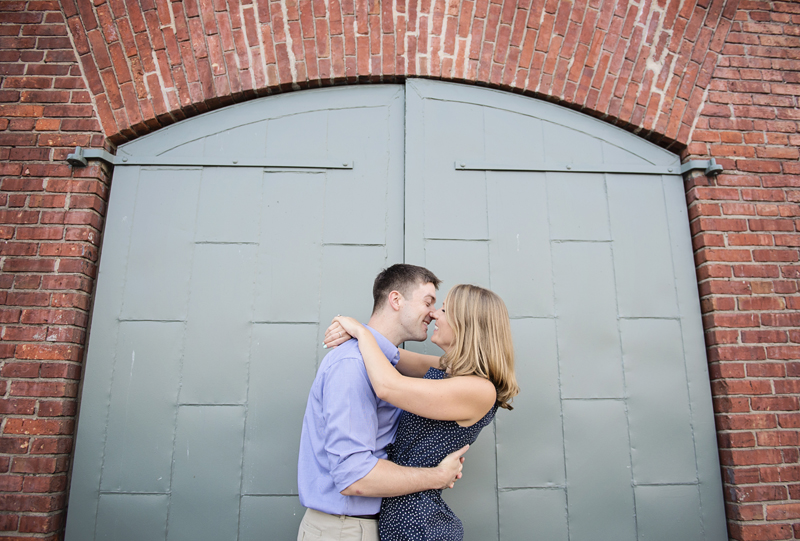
338 334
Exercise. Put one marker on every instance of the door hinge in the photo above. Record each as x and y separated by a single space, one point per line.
80 156
709 167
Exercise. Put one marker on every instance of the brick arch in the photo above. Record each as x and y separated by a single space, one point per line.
644 66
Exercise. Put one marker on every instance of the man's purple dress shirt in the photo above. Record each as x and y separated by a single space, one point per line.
345 431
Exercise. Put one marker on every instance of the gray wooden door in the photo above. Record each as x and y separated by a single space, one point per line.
243 231
612 436
215 285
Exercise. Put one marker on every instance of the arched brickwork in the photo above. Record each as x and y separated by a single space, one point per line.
645 65
702 77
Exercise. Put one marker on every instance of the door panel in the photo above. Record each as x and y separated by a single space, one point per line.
588 339
596 270
218 325
573 209
138 450
206 473
270 456
520 246
209 318
221 189
543 425
658 506
131 517
656 382
289 197
157 277
600 502
642 255
541 512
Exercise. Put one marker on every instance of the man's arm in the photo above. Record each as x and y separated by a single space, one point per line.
415 364
388 479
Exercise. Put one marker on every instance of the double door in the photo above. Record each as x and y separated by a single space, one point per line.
234 237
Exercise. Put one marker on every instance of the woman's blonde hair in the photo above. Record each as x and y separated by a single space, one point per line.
482 345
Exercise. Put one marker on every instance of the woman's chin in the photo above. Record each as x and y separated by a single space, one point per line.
436 342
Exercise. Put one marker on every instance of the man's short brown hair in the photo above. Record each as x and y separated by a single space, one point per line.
401 277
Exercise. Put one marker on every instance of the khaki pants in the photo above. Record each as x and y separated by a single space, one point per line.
324 527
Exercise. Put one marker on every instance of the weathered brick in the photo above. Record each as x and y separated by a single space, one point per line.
44 484
38 426
749 457
31 503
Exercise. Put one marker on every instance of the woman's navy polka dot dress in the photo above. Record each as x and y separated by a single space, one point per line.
423 443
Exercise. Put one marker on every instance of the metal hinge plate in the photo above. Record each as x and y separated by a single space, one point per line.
80 156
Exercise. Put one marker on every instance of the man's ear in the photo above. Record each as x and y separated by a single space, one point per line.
395 300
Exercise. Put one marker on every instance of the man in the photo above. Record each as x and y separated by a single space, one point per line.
342 467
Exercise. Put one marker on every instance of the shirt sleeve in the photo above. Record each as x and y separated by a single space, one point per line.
351 422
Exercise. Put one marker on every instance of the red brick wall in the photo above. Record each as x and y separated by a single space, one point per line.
50 223
701 77
748 246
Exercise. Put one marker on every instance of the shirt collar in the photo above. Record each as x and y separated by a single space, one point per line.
388 349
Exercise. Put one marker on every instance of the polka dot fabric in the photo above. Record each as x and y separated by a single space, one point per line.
423 443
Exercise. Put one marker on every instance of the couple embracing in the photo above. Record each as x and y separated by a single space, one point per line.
385 429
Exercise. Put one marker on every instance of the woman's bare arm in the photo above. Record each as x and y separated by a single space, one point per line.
411 364
464 399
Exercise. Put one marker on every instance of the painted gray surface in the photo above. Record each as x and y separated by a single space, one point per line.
132 517
477 490
289 197
533 513
599 481
446 256
218 326
270 517
157 277
588 337
542 421
280 355
597 273
642 258
520 246
207 473
219 282
712 507
139 438
574 210
224 188
457 130
215 287
657 396
666 513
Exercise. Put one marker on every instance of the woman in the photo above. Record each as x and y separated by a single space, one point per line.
447 408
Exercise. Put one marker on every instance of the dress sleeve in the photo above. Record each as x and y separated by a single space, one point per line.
351 421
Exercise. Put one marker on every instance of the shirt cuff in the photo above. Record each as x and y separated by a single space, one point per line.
354 468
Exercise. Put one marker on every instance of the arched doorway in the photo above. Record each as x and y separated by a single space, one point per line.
241 232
